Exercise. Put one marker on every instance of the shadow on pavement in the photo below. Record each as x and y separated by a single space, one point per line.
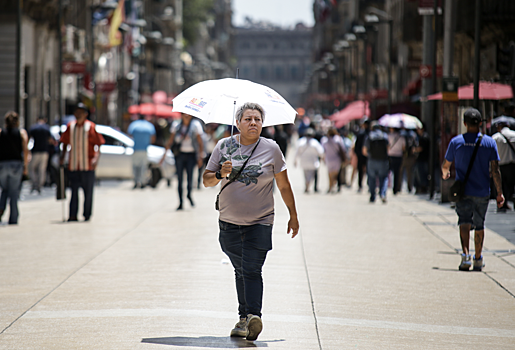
210 342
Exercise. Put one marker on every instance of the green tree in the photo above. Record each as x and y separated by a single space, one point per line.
194 13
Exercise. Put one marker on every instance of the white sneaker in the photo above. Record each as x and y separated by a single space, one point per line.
478 264
466 262
240 329
254 326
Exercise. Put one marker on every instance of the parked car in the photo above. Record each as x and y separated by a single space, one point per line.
115 157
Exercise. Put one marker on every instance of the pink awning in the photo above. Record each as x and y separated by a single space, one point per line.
354 110
487 91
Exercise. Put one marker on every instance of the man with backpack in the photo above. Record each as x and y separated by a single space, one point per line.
376 149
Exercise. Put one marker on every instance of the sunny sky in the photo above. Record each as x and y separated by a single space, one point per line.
285 13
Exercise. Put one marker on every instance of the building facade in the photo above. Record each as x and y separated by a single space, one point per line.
278 58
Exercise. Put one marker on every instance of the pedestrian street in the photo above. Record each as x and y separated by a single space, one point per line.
141 275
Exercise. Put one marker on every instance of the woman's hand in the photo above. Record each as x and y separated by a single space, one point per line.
226 168
293 226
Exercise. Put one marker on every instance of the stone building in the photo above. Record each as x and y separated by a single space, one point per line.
278 58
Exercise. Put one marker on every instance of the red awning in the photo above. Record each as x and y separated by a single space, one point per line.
354 110
159 110
487 91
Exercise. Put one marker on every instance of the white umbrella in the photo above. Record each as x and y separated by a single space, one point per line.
400 120
215 101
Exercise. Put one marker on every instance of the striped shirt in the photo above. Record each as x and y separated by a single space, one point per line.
84 142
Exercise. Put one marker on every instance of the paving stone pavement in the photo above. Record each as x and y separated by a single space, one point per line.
141 275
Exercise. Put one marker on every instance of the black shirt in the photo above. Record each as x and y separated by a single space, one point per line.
41 134
10 145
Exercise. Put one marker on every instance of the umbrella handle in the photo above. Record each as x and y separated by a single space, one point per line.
232 125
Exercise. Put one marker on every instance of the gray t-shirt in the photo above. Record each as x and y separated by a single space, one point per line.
249 200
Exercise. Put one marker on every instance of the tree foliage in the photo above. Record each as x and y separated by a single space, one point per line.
194 13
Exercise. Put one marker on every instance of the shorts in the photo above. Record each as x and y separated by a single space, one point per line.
472 210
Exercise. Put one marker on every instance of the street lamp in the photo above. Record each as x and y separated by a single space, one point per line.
372 17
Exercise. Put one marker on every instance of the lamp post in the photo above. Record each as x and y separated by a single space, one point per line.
373 18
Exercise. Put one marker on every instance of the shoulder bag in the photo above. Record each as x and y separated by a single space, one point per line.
176 146
508 142
233 178
457 190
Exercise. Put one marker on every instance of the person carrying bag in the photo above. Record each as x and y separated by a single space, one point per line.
457 190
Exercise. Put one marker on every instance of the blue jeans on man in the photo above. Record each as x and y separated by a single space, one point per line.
86 180
247 247
11 173
377 170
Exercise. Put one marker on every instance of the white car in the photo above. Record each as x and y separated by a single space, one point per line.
116 157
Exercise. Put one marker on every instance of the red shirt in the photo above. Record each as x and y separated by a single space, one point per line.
84 142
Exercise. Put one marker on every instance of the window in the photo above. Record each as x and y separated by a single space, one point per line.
263 74
294 73
279 73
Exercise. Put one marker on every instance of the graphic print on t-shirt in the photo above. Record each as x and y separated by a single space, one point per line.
251 172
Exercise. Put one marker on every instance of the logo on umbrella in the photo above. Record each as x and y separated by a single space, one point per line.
198 103
273 97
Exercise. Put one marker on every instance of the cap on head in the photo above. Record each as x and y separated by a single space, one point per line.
472 116
81 105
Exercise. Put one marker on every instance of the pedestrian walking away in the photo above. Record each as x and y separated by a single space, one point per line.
358 147
82 142
505 140
144 134
397 147
376 150
478 153
187 146
14 155
246 206
309 152
42 138
335 155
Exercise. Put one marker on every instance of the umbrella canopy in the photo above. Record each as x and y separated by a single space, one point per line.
400 120
213 101
156 109
504 120
354 110
487 91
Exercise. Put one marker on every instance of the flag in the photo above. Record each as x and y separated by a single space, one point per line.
115 37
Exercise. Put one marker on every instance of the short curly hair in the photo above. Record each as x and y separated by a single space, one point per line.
12 119
252 106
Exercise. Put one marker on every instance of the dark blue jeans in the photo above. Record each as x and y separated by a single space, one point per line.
185 161
86 180
10 181
246 247
377 170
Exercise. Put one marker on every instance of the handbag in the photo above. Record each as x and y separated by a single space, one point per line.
176 146
233 178
457 190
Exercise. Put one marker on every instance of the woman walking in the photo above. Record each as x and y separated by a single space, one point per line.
246 205
187 135
14 156
309 152
334 149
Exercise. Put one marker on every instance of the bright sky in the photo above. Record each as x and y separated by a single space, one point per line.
285 13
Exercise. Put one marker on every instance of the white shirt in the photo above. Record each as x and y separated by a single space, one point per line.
505 152
309 153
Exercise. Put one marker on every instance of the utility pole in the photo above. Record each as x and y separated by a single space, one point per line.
477 42
17 85
434 76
